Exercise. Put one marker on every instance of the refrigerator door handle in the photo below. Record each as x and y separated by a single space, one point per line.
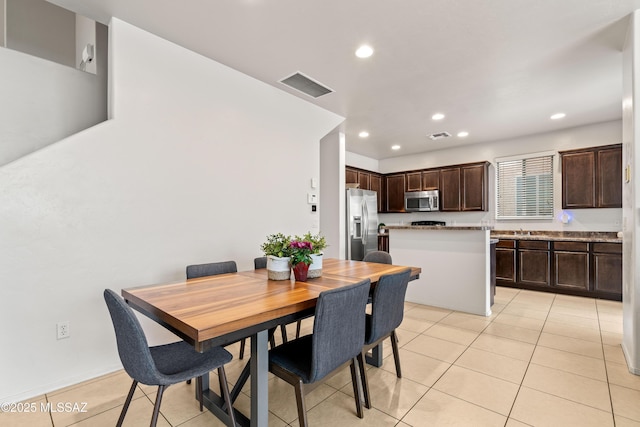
365 223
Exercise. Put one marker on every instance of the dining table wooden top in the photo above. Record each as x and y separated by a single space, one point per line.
210 307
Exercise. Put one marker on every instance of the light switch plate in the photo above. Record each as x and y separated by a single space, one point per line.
312 198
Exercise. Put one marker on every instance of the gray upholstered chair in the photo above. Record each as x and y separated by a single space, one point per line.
380 257
260 262
387 311
338 338
161 365
213 269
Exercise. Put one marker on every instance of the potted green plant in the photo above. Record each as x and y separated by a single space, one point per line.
277 249
301 258
318 244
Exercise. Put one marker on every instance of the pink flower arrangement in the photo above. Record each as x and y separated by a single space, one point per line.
301 252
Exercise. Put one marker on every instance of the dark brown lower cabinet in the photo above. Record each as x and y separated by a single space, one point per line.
383 242
533 262
506 261
571 265
607 268
578 268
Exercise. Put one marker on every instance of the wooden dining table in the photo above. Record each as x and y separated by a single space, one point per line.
222 309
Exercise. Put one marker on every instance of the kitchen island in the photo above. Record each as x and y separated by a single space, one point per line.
455 263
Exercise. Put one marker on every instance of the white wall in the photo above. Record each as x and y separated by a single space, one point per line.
332 193
199 164
567 139
630 141
362 162
43 102
3 7
85 34
43 29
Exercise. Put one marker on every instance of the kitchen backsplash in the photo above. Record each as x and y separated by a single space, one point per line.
579 220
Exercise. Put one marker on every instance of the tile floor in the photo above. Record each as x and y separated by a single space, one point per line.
540 359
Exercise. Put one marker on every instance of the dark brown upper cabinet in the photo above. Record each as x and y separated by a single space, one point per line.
414 181
475 191
592 177
395 192
431 179
364 179
450 189
609 177
351 176
375 184
464 187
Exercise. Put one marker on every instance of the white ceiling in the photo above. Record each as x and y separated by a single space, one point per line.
497 68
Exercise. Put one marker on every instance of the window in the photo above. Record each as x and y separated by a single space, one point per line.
525 187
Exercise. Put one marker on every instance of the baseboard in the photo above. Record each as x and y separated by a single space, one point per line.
57 385
634 370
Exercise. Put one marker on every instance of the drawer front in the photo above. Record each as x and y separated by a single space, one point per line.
511 244
534 244
607 248
571 246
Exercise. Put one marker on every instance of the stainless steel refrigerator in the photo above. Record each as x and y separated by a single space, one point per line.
362 223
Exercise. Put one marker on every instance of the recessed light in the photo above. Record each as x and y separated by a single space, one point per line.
395 147
463 134
438 116
363 134
364 51
558 116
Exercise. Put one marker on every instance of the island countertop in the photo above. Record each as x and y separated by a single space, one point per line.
436 227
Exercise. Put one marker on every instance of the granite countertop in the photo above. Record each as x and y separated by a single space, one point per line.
574 236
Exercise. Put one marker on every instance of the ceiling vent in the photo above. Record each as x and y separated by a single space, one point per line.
306 85
441 135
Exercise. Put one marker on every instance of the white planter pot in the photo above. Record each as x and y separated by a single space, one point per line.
278 268
315 268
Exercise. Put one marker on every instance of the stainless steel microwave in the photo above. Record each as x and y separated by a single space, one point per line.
421 201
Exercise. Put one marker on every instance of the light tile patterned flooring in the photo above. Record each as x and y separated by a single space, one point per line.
540 359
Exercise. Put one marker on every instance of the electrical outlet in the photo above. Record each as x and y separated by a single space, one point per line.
62 329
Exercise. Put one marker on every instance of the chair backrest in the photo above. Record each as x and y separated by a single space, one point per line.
380 257
211 269
133 347
260 262
387 305
339 328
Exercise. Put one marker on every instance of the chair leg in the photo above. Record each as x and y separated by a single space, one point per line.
224 389
356 388
156 407
242 344
396 353
272 339
199 391
126 403
365 381
302 410
298 326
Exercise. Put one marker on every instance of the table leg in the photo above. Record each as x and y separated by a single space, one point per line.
376 356
259 376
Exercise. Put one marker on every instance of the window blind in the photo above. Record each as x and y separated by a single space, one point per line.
525 188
